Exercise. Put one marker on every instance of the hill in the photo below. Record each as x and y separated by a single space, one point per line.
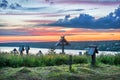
102 45
79 72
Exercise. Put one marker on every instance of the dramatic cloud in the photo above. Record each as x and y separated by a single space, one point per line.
21 20
86 21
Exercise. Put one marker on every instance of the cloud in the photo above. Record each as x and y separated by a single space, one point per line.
39 21
75 10
41 31
34 9
69 10
6 32
83 20
110 21
103 2
4 4
16 6
93 8
2 25
86 21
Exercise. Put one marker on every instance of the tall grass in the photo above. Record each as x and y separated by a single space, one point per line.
11 60
33 60
109 59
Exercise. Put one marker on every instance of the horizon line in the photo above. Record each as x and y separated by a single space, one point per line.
53 41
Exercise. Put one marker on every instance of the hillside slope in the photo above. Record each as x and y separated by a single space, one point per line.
79 72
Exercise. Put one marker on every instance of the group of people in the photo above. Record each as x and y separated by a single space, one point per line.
21 49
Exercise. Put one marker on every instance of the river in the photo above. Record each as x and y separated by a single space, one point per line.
45 51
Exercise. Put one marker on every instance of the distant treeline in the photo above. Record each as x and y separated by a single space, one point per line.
102 45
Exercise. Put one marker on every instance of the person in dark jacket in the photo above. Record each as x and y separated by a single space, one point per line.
27 49
21 49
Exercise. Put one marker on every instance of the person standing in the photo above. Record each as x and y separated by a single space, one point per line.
21 49
27 48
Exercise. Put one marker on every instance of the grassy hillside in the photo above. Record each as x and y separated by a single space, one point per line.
55 67
79 72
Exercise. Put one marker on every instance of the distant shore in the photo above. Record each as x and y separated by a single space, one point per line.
45 51
79 45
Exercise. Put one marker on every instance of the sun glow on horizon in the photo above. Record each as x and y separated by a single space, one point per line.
82 37
42 21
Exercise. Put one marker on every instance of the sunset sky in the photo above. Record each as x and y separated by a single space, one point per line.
47 20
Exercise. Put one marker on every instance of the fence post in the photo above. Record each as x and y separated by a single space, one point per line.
93 59
70 63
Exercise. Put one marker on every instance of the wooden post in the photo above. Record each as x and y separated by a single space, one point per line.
92 51
63 48
93 59
70 62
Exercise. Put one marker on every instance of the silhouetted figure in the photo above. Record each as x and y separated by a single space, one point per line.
27 49
39 53
21 49
15 51
62 42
